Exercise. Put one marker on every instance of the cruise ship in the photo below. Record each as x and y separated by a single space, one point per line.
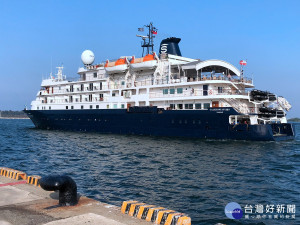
161 94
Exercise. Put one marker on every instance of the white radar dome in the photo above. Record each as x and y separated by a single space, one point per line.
87 57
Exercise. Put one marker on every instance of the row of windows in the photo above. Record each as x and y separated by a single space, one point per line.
172 106
190 106
172 91
180 90
195 121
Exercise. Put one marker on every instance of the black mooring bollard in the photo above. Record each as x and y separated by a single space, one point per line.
65 185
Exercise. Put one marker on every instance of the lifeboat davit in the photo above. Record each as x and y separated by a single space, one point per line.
119 66
144 63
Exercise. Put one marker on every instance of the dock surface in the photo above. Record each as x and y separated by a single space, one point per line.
25 204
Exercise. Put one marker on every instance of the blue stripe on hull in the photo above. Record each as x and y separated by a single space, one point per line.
212 123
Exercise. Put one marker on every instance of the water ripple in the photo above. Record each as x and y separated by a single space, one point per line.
192 176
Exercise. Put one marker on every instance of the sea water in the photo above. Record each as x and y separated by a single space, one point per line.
196 177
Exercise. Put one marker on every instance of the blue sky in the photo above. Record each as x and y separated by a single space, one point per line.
266 33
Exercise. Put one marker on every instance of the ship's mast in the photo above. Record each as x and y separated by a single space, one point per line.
148 43
59 74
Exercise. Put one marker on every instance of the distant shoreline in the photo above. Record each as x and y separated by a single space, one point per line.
294 120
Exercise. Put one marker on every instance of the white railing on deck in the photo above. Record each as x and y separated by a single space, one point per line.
197 92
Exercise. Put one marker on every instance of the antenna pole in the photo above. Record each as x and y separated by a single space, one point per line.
148 44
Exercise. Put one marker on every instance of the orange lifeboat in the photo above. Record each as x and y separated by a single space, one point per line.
147 62
119 66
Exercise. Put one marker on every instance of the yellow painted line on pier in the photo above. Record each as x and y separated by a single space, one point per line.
13 174
34 180
152 213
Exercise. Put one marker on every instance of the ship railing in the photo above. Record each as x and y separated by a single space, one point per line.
161 81
76 90
74 100
76 79
195 92
214 77
240 106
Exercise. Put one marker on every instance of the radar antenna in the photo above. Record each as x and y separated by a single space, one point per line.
147 43
59 74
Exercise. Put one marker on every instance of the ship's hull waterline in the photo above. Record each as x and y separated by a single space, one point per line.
212 123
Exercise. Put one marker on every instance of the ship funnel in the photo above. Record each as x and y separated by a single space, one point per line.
170 46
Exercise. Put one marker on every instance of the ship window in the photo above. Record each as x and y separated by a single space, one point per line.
185 121
95 75
123 82
180 122
115 106
220 90
81 87
107 106
38 108
194 121
180 106
206 105
173 121
82 107
113 94
179 90
66 107
165 91
188 106
49 107
97 106
122 106
91 106
72 107
172 91
198 106
172 106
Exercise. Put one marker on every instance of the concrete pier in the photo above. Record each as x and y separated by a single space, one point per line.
22 204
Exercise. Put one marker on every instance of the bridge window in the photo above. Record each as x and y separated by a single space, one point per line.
165 91
172 91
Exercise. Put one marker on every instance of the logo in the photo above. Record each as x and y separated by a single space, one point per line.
164 48
233 211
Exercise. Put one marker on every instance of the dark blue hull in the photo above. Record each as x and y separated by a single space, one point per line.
212 123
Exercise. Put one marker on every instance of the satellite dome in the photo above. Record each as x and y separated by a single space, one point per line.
87 57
